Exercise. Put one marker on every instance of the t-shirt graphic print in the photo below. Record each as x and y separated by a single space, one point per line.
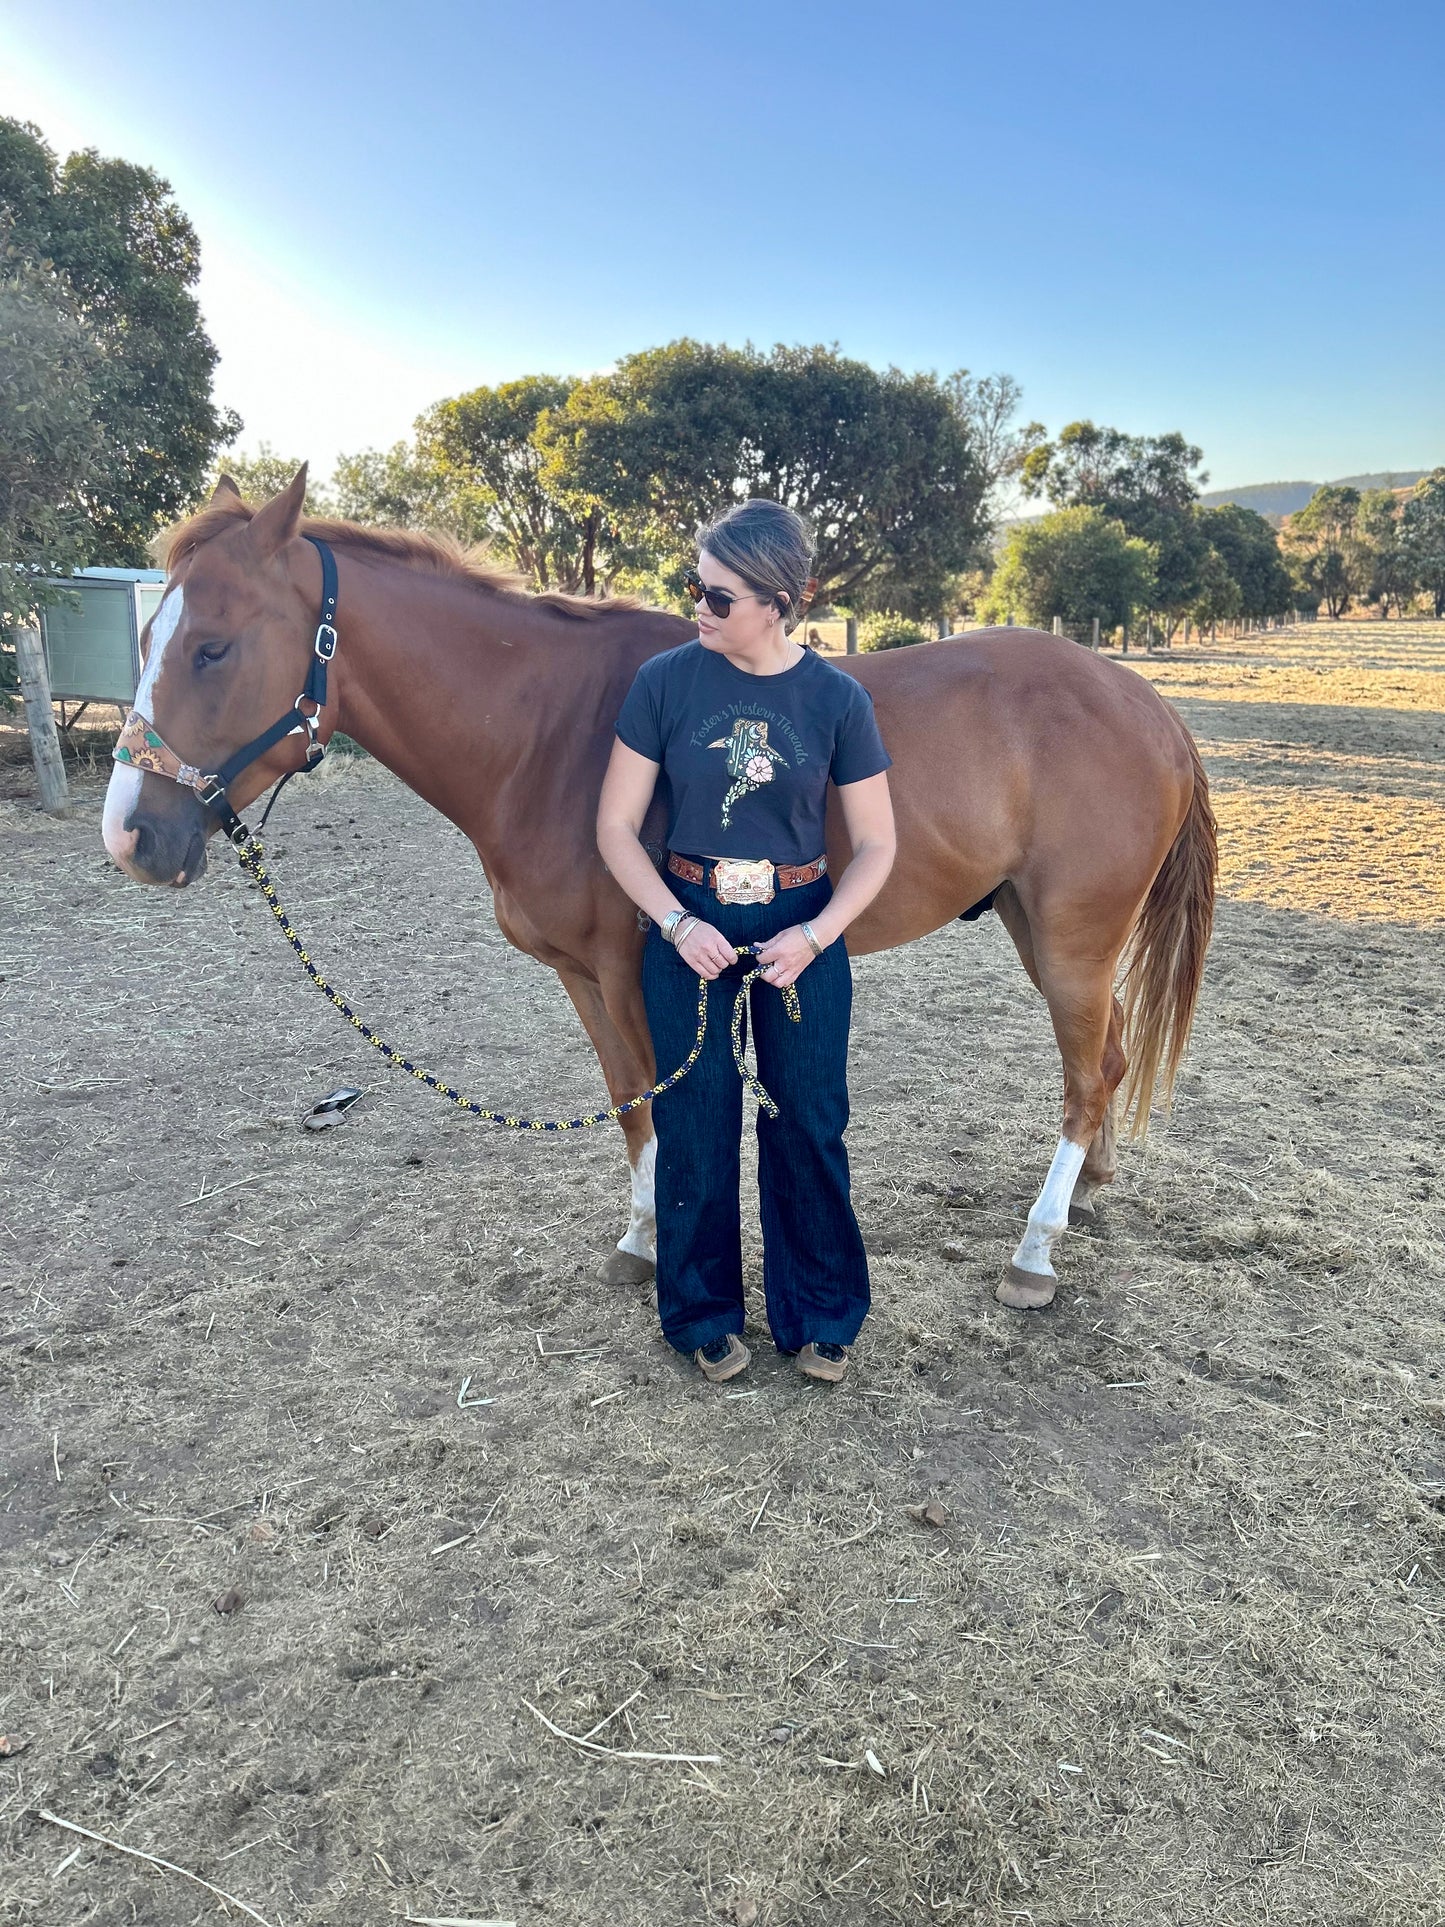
750 761
746 760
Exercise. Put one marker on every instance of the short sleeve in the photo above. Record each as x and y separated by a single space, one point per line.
858 751
639 724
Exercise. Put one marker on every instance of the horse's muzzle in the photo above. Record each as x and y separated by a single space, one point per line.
161 845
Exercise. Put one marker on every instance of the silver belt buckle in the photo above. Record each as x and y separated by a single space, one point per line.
737 880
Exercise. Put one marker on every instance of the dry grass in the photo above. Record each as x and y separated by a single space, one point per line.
1175 1657
1326 748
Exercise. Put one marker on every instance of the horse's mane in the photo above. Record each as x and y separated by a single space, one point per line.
436 554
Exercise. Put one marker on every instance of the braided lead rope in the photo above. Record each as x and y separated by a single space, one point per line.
251 857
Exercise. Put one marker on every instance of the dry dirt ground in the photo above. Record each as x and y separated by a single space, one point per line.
1175 1655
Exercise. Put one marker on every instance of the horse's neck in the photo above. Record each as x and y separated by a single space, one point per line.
496 712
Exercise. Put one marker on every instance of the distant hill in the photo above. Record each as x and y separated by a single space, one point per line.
1283 498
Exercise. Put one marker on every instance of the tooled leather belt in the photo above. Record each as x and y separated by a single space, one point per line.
787 876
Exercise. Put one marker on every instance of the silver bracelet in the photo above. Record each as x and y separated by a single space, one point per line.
670 922
689 922
813 943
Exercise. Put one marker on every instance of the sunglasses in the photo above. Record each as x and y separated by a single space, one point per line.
719 602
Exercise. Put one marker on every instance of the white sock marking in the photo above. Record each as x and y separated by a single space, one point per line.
1050 1214
640 1237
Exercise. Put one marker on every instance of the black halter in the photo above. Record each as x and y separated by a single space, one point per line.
296 721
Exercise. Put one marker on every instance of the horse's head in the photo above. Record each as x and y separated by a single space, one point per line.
224 655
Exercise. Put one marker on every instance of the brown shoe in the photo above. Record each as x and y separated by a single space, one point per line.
727 1364
828 1362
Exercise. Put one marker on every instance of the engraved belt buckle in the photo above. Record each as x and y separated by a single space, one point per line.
736 880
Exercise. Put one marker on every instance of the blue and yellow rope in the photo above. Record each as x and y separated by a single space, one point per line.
251 857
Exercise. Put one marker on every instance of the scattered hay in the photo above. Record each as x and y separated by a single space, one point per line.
1173 1653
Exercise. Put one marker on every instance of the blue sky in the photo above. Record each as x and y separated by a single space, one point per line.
1226 219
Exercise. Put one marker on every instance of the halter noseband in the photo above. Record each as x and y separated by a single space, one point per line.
140 746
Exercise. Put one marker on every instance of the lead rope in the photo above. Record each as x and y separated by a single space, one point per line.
251 857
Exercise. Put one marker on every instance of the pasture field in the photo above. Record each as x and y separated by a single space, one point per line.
1176 1653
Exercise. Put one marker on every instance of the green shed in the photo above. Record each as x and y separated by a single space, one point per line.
92 637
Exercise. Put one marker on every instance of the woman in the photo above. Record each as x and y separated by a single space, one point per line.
746 727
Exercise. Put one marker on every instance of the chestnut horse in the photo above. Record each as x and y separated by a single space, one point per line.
1029 775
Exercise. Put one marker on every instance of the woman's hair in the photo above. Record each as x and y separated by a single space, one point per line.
770 547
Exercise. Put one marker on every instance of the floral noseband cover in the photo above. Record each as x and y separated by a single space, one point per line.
139 746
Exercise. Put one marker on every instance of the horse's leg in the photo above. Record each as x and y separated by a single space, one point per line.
1102 1161
635 1259
1079 993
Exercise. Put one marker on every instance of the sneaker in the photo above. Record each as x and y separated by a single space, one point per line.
722 1358
824 1361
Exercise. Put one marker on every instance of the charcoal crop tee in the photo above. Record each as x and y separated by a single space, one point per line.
746 760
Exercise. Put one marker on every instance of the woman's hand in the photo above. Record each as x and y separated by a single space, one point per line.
784 958
707 951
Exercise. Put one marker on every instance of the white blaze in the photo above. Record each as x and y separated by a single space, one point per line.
640 1238
123 792
164 623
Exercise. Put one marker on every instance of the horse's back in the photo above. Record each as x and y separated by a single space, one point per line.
1037 684
1017 754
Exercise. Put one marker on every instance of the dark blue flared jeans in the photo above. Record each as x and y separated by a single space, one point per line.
815 1273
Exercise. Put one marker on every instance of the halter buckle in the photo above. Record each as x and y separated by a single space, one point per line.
315 748
325 641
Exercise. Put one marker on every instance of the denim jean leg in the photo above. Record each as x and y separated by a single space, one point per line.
699 1128
815 1270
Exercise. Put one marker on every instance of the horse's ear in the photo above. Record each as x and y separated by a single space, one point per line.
273 526
225 489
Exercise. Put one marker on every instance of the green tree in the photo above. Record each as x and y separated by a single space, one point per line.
888 630
1386 576
264 474
1249 549
1322 544
987 406
50 441
1422 536
396 488
1148 483
883 464
129 258
484 449
50 436
1076 563
1218 597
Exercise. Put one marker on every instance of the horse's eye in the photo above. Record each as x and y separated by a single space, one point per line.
212 651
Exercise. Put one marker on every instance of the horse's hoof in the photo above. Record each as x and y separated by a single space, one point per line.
1082 1211
1025 1290
626 1268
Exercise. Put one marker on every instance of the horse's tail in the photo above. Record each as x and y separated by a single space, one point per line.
1166 957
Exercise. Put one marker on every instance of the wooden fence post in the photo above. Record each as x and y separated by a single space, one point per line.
1094 642
40 720
851 645
1058 625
